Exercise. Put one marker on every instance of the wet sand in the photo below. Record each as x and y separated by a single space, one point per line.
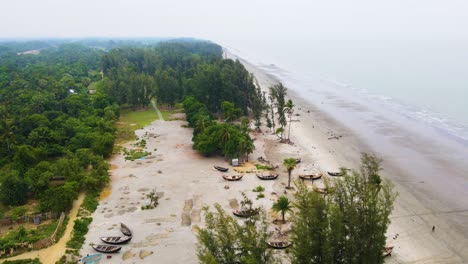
430 177
186 183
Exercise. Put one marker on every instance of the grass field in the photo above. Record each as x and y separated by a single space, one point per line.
132 120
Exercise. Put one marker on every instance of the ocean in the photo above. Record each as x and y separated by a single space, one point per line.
422 79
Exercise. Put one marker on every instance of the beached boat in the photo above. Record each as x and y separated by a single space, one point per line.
310 176
116 240
232 177
387 251
221 168
279 244
299 160
244 214
335 174
125 230
267 176
107 248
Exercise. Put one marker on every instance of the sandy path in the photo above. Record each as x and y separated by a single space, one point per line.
157 111
56 251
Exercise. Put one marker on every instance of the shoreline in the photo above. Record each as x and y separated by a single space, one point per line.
186 182
416 209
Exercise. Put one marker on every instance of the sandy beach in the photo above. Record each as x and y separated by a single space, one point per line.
417 208
186 183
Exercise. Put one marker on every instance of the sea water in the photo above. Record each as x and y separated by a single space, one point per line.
406 99
424 78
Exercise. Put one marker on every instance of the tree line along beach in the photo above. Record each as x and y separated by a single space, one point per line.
161 179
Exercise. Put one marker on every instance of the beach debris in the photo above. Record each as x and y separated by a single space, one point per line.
145 253
226 187
128 254
159 171
186 220
233 203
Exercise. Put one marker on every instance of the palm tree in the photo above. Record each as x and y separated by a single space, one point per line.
282 205
246 146
289 164
289 108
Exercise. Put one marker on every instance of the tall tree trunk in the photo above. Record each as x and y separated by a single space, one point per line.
289 179
289 130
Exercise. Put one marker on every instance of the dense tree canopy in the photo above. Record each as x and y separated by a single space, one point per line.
59 104
169 72
47 118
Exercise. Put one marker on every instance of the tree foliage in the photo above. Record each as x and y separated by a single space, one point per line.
278 99
289 164
211 137
347 226
46 117
225 241
282 205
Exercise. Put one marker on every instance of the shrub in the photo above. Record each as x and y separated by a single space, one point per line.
258 189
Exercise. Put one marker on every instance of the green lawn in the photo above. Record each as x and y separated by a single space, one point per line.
141 118
132 120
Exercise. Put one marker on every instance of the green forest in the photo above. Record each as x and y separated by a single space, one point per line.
58 108
59 113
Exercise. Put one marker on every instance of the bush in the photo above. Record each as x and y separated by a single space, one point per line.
23 261
18 212
258 189
91 202
134 154
80 228
263 167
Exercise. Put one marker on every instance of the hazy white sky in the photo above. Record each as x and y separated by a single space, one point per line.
229 21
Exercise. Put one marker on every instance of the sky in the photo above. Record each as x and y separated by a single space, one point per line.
230 21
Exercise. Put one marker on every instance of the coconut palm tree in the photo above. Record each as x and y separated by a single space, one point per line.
289 164
282 205
289 108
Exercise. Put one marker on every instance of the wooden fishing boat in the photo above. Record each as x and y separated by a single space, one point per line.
125 230
243 214
267 177
116 240
232 177
335 174
310 176
387 251
221 168
279 244
107 248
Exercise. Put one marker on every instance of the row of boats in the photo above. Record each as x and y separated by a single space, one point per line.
114 241
246 213
274 176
